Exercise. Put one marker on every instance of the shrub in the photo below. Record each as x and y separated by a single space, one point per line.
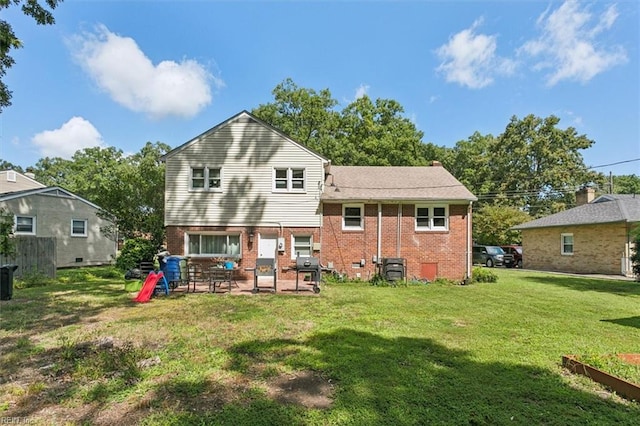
133 252
483 275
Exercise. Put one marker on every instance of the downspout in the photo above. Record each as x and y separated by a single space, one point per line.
399 230
379 248
469 242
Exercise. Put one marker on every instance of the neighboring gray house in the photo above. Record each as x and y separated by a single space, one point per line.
592 238
55 212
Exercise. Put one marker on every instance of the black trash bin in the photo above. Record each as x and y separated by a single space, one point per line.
6 281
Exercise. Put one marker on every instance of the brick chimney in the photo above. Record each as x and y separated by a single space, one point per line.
585 196
436 163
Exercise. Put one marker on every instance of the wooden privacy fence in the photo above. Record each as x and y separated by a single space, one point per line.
33 255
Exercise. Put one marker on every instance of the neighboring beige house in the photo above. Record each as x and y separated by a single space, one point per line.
55 212
593 238
244 190
12 181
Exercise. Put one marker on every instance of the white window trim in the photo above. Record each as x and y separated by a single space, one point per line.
353 228
206 187
209 255
573 243
33 225
431 226
294 255
86 223
289 187
11 176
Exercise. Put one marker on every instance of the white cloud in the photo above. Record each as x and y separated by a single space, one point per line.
470 59
122 70
568 47
362 91
75 134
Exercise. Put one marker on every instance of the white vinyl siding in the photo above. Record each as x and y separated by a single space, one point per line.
247 153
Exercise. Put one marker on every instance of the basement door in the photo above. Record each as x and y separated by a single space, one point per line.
429 271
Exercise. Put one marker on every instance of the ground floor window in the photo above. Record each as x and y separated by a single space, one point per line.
566 244
214 245
301 246
25 225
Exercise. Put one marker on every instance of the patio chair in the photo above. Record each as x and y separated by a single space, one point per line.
219 276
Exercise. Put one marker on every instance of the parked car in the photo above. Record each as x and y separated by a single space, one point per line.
491 256
516 251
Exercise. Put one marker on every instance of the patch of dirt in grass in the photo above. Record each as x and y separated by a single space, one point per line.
301 388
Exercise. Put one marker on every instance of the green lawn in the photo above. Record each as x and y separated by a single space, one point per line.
419 354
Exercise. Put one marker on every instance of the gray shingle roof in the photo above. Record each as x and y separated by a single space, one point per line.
379 183
620 209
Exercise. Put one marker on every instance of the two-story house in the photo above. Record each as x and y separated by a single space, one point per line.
244 190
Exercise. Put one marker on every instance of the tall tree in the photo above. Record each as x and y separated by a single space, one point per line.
303 114
5 165
8 40
363 133
376 134
626 184
469 163
129 189
539 166
492 223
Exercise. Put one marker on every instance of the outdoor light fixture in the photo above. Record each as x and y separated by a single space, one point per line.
251 234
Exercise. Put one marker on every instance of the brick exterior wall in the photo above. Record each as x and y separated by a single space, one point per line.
444 250
249 250
597 249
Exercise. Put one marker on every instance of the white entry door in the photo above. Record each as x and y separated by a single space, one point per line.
267 246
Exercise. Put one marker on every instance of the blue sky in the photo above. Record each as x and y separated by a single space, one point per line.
121 73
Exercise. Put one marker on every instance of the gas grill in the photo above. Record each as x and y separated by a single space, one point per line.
309 265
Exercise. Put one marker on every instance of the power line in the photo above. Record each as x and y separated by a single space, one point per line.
614 164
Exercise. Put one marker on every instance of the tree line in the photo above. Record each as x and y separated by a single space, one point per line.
530 170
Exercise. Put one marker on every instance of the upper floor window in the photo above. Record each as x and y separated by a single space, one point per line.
288 179
353 216
214 245
302 246
432 218
206 179
79 228
566 244
25 225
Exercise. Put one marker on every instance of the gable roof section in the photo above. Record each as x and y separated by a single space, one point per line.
54 191
19 182
379 183
621 209
610 197
242 116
